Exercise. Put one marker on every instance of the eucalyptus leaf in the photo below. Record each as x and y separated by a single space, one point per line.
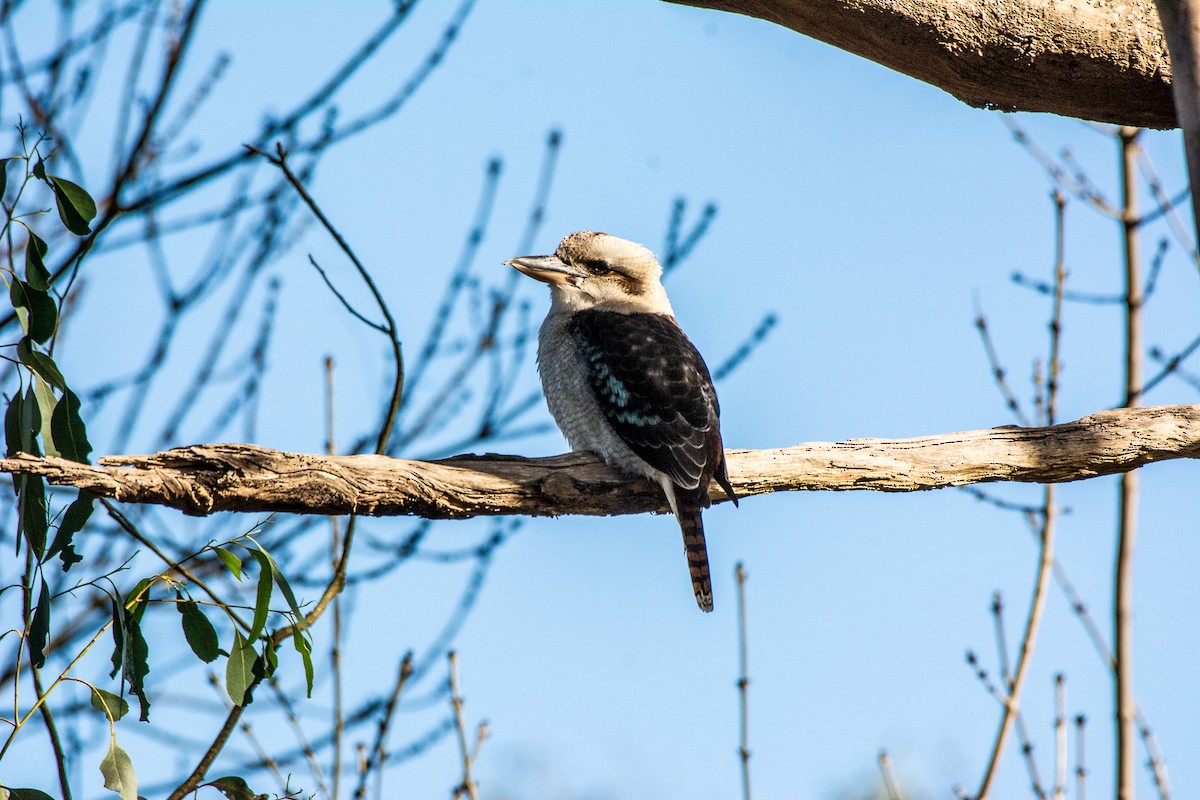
284 586
35 263
31 421
137 659
304 648
233 787
262 603
4 174
40 313
239 670
109 704
40 363
31 505
73 520
199 632
12 425
25 794
232 562
68 430
117 769
43 393
118 633
39 628
76 208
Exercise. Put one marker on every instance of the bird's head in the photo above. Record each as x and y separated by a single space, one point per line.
596 270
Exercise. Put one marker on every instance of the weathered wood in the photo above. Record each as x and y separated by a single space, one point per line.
202 479
1102 60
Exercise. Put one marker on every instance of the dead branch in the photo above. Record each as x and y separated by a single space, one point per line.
202 479
1101 60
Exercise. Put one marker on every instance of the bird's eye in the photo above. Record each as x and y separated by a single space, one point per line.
598 267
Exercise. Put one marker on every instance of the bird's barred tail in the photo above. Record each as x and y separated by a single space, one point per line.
697 556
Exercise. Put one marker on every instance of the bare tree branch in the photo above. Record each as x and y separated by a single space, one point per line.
202 479
1104 60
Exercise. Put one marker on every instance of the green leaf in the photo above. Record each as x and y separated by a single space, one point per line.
232 562
46 401
31 502
262 604
39 628
21 424
35 263
4 174
16 435
73 520
239 671
267 663
118 772
40 363
39 170
76 208
282 583
26 794
137 663
36 310
304 648
199 632
233 787
31 419
109 703
118 632
67 429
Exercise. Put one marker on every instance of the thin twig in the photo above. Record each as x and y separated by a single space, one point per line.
1001 640
1026 745
354 312
1046 553
890 784
1172 364
373 758
1032 624
1080 765
293 720
1060 738
1154 761
1126 705
60 759
743 682
467 786
390 329
335 646
998 372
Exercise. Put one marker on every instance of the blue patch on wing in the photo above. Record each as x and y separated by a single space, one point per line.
653 388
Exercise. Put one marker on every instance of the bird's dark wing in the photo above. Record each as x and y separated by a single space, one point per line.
656 393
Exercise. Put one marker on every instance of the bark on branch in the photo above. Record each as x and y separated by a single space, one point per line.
1102 60
202 479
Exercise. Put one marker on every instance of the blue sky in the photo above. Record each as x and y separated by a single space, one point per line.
869 212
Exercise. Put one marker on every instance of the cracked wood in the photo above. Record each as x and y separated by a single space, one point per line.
1102 60
202 479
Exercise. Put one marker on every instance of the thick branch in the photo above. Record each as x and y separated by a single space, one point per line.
1102 60
202 479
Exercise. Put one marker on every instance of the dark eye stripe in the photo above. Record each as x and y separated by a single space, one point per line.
598 267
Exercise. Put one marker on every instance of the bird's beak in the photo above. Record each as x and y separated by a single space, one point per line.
547 269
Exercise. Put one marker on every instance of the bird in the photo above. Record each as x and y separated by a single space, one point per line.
623 380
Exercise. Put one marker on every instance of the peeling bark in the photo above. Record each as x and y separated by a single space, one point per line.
202 479
1102 60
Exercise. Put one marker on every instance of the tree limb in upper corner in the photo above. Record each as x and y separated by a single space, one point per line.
202 479
1102 60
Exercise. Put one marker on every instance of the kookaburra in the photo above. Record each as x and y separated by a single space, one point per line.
623 381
